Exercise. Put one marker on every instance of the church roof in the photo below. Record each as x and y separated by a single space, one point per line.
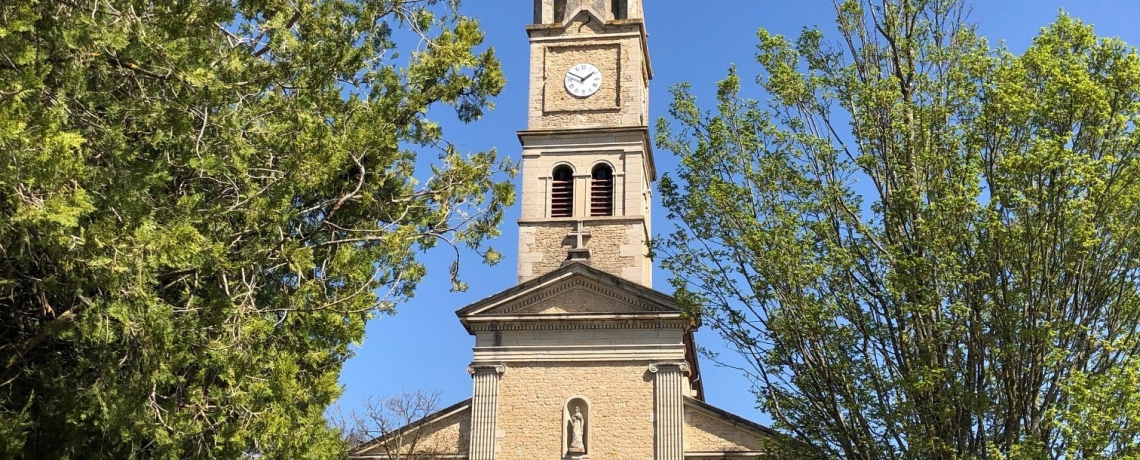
729 417
379 447
714 433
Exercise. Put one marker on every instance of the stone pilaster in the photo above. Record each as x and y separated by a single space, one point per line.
668 409
484 409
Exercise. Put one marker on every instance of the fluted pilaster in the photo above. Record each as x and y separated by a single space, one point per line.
668 407
484 410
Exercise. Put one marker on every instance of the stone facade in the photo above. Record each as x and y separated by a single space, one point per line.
579 333
617 246
531 401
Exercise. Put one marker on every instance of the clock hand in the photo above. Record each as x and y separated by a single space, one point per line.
588 76
572 74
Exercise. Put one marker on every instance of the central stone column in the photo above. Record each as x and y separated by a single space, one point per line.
484 410
668 409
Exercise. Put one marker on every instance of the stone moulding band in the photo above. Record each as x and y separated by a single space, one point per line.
610 37
492 326
579 353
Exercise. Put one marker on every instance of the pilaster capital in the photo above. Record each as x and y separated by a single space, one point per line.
496 368
682 366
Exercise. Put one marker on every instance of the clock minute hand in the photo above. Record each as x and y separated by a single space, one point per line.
572 74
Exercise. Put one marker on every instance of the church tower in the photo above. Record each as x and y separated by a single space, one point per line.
582 360
587 160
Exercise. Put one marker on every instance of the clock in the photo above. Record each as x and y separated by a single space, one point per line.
583 80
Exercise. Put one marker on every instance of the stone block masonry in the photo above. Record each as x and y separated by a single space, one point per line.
617 246
531 400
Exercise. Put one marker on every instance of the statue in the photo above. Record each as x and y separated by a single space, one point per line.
576 433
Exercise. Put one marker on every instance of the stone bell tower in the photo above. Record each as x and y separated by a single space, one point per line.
582 360
587 160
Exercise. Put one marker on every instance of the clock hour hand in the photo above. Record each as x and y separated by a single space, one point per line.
583 79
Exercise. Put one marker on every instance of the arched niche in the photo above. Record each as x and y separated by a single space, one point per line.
576 427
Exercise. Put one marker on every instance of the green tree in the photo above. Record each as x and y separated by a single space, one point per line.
202 202
925 248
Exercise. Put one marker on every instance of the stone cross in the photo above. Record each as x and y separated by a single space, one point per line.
579 234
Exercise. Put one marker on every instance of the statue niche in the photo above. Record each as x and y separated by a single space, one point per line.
576 418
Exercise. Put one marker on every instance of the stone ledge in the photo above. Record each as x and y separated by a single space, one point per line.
586 354
630 219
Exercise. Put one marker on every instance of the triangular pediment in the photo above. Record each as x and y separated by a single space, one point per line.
586 21
571 290
578 294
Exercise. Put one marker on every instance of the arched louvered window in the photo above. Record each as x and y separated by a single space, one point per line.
602 191
562 192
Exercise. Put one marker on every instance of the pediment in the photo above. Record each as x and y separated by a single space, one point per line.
571 290
579 295
585 21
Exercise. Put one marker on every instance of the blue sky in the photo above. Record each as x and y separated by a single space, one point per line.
423 346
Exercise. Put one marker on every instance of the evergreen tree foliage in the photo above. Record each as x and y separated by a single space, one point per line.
924 247
203 201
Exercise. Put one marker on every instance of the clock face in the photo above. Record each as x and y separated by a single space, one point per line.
583 80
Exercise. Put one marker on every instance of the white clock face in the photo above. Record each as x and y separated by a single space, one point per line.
583 80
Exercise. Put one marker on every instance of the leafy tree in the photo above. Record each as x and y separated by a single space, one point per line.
203 201
925 248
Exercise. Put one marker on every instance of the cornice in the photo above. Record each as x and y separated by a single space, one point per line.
524 135
578 353
641 129
597 322
599 220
